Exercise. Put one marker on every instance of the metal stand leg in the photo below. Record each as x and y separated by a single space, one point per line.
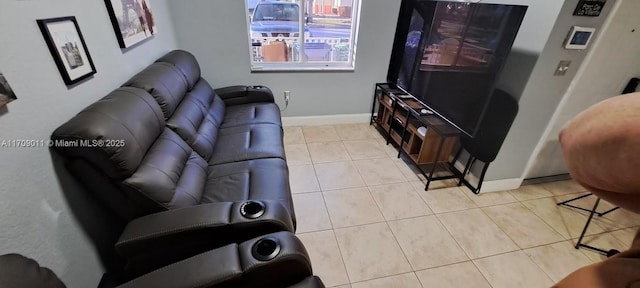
435 163
484 171
455 157
373 105
609 253
393 116
404 133
467 167
452 165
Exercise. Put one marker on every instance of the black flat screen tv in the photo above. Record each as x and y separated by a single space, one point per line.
449 55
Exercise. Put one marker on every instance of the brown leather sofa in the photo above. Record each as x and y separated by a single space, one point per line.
19 271
170 141
189 168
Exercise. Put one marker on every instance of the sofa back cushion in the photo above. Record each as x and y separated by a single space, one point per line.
201 112
113 133
198 118
164 82
186 63
171 173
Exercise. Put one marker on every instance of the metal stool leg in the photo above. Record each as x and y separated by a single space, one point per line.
609 253
565 203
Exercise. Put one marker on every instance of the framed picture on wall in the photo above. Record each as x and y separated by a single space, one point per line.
68 48
132 21
6 93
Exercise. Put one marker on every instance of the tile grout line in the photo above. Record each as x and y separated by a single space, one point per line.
324 201
344 265
453 237
448 212
463 250
382 277
502 230
415 190
540 267
314 231
404 253
544 220
520 201
538 217
314 161
386 222
480 271
523 249
331 223
571 239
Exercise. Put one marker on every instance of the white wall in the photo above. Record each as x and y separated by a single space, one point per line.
35 219
216 32
613 59
541 92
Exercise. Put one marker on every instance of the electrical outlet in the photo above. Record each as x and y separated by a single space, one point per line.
287 96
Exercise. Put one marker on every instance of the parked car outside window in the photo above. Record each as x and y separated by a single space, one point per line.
276 19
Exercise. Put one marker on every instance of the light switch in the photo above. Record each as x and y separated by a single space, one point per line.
563 67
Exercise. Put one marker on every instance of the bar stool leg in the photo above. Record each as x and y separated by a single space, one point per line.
586 226
608 253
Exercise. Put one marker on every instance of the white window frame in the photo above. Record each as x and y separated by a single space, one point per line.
308 66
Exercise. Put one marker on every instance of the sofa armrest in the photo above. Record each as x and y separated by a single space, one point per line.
156 240
237 95
213 267
236 265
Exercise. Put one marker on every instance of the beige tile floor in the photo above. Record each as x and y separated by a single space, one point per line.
366 220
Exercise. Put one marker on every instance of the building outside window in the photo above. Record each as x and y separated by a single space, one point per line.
302 34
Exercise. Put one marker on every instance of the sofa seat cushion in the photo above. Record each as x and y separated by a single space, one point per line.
254 113
247 143
171 174
266 179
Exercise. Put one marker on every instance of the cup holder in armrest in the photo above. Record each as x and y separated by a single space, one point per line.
266 249
252 209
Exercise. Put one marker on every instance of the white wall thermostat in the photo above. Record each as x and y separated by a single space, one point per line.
579 37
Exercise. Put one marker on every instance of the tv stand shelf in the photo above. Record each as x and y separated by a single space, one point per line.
425 138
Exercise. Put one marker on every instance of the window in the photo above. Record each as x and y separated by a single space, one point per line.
327 40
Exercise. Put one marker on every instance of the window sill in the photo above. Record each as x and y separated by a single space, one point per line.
266 69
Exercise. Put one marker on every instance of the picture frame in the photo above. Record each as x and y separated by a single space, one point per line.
132 21
68 48
579 37
6 93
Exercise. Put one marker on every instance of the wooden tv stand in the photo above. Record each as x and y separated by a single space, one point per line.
424 137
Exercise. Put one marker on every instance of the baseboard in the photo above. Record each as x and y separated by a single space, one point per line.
326 119
501 185
545 179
